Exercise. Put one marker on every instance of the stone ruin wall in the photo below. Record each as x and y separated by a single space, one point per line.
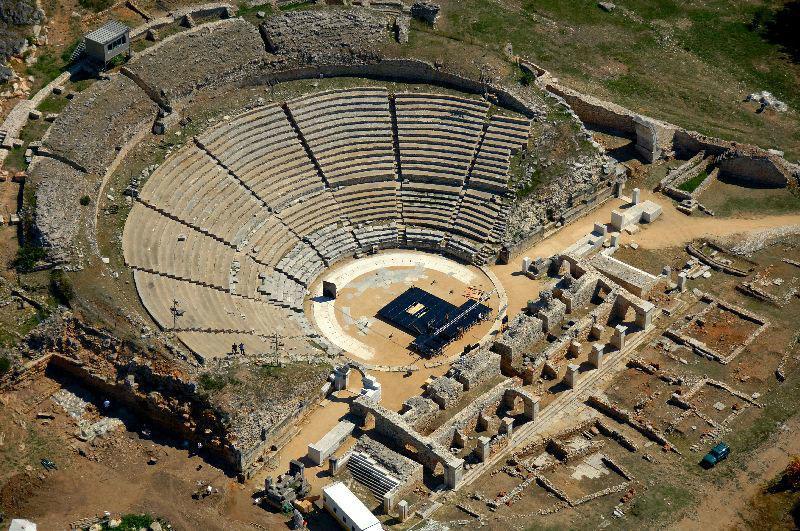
655 139
392 426
106 365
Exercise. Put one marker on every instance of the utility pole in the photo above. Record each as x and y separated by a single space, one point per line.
176 311
276 344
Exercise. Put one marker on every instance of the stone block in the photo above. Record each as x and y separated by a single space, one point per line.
618 338
571 378
318 452
484 448
402 510
596 355
682 281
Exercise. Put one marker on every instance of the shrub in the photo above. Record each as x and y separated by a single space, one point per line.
85 200
119 60
95 5
526 78
133 522
211 382
5 365
61 287
27 257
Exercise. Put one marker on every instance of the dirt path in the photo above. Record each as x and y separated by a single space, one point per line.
675 229
727 503
672 229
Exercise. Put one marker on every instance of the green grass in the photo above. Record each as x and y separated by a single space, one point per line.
211 382
95 5
692 184
15 160
53 104
245 10
47 67
33 130
660 500
709 51
135 522
781 404
784 202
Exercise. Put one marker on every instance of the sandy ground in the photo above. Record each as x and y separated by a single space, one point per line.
367 284
727 503
114 473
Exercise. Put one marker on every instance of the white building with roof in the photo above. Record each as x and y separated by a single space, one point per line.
107 42
348 510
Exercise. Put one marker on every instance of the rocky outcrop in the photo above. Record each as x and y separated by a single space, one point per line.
208 55
59 214
339 35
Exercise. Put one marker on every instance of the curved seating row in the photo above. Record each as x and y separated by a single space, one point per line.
194 188
201 308
263 150
349 133
236 225
437 135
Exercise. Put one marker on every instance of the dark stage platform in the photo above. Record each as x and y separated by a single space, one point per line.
434 322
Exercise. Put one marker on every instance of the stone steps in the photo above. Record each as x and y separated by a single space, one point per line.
367 472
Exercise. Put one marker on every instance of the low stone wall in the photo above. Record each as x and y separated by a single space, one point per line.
655 139
218 9
400 70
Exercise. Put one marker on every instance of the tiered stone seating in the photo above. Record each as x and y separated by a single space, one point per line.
429 205
421 237
271 241
438 135
333 243
301 264
194 188
211 345
237 225
368 202
481 212
154 242
349 133
312 213
477 214
504 135
378 236
283 291
245 275
206 309
464 248
262 149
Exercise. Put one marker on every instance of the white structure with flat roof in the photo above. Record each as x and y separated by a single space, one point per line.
348 510
107 42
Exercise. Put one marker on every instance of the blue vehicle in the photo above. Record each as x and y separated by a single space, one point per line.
717 454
